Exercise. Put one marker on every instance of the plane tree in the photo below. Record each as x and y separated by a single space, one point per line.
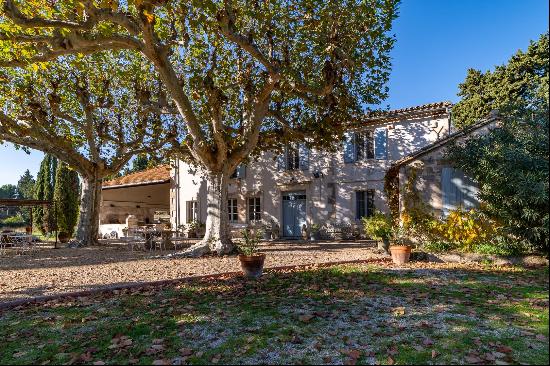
95 120
244 75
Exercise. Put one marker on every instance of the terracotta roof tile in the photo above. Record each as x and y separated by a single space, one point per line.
419 110
159 174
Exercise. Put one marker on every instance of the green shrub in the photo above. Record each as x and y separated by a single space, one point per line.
378 226
13 221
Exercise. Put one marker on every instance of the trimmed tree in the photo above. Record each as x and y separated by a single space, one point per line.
66 197
93 113
245 77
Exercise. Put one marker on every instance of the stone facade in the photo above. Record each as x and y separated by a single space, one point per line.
329 189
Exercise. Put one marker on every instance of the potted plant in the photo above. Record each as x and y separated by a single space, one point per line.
315 232
379 227
400 252
194 229
63 237
252 262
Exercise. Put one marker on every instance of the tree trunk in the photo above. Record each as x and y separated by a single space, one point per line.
216 239
88 223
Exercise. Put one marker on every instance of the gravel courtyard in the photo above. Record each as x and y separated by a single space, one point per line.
51 271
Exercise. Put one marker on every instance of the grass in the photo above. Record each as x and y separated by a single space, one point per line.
426 314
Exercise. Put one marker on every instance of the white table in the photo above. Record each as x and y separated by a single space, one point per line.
22 242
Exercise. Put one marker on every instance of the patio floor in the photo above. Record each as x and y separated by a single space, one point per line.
50 271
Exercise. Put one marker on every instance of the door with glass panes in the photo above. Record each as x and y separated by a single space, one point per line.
294 213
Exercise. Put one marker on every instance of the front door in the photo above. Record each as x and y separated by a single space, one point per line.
294 213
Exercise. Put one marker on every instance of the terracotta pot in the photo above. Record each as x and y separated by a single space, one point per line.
28 230
400 254
252 265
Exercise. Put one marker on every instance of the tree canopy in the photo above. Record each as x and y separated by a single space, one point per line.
515 88
511 162
244 76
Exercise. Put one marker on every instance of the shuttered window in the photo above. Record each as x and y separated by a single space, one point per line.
232 210
295 157
458 190
358 146
364 203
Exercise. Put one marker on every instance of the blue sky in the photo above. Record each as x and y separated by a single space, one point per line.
437 41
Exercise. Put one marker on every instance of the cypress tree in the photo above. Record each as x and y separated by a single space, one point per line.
49 212
66 197
38 216
43 217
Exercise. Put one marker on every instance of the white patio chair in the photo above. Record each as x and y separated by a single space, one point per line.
135 239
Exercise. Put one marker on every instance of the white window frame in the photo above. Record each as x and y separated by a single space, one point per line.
233 210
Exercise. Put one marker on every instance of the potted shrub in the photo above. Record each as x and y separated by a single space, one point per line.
379 227
194 229
315 232
252 262
63 237
400 252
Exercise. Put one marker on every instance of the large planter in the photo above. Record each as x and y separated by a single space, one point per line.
252 265
400 254
28 230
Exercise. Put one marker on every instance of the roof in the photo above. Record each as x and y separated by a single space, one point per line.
23 202
444 141
157 175
430 109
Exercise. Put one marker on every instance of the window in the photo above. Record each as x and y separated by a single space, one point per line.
365 145
232 210
192 211
254 209
364 203
294 157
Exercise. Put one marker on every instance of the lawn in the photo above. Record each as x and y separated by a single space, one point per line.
356 314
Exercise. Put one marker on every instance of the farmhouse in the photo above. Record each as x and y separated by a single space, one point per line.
301 186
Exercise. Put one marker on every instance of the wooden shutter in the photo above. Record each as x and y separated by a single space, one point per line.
448 190
241 171
381 143
303 152
281 161
359 204
370 203
349 147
